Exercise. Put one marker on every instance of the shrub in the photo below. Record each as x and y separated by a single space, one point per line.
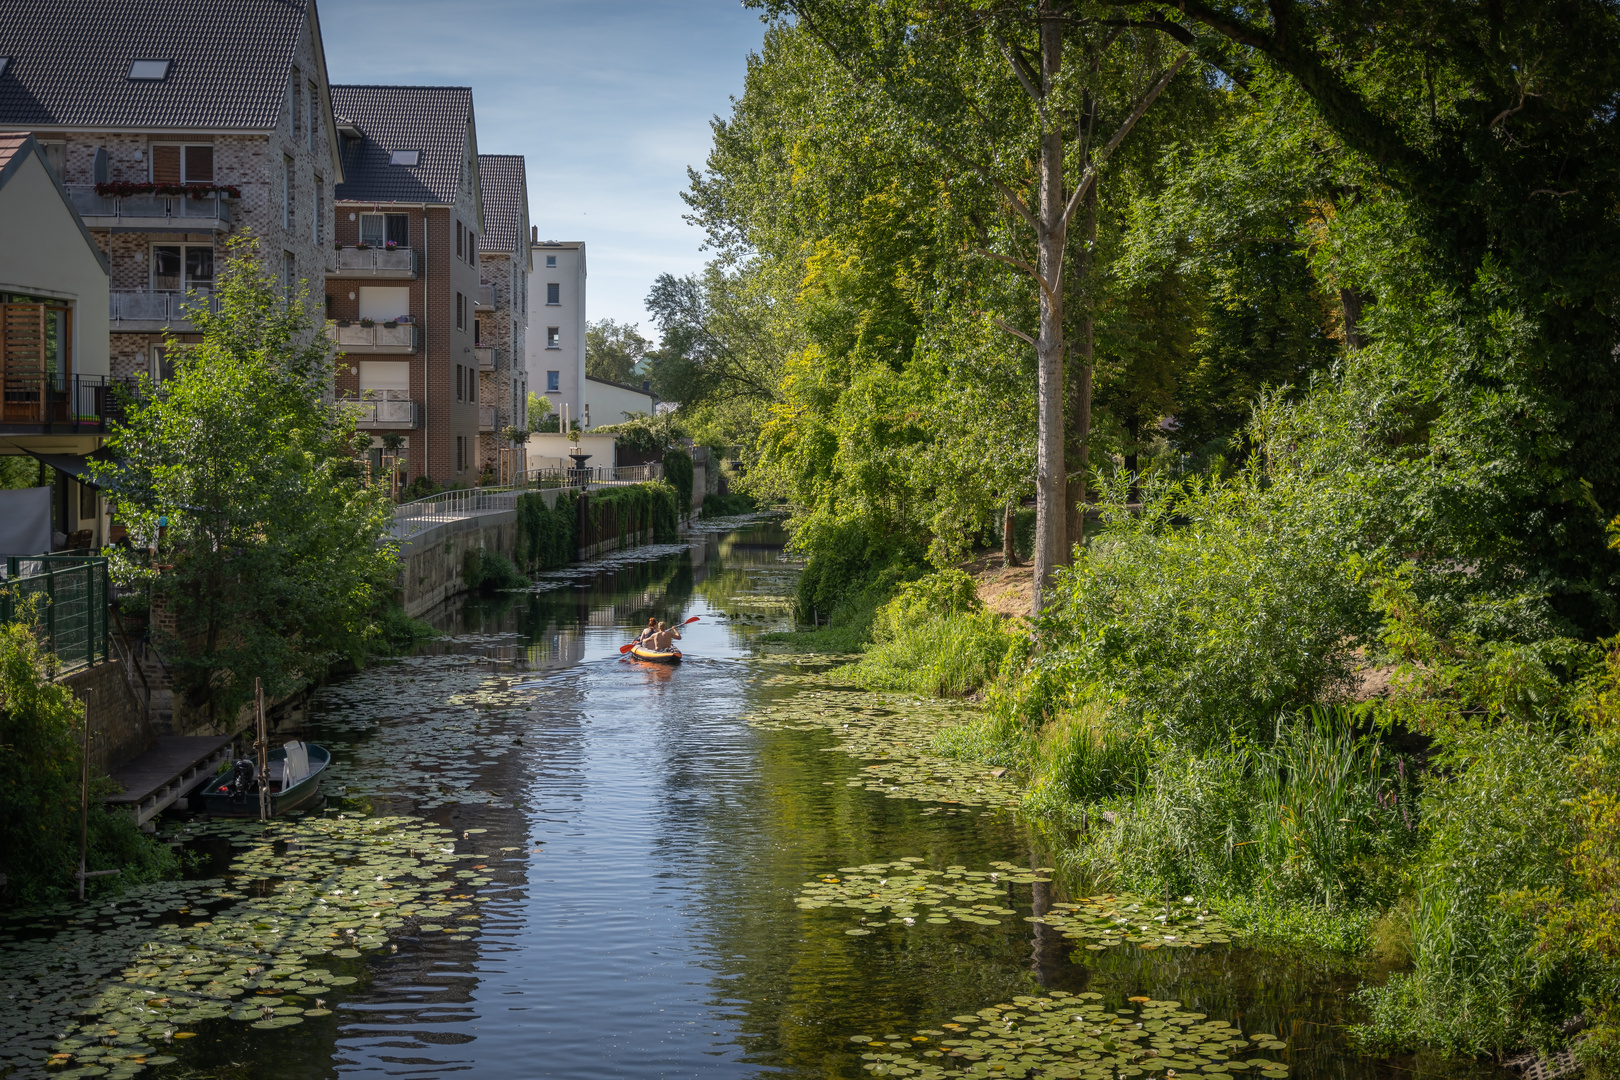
934 637
1220 606
488 571
41 733
729 505
678 473
546 535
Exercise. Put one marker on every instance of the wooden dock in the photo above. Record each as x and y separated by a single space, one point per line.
156 779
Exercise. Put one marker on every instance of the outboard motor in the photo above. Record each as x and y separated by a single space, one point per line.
244 778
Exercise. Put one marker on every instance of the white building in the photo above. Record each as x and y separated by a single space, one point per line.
555 344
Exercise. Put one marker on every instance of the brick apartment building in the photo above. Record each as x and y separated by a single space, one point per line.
129 98
503 301
403 291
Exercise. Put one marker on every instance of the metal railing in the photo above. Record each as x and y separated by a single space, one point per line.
379 338
413 517
486 418
486 297
127 305
377 260
208 209
72 611
50 398
385 409
488 356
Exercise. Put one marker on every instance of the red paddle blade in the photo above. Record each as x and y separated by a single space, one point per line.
693 619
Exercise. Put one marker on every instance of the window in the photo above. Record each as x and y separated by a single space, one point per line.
295 104
4 60
287 190
162 364
183 164
461 312
460 241
149 69
472 247
553 294
408 158
289 273
460 394
182 267
378 229
385 303
461 456
553 381
87 503
553 337
55 155
314 114
551 260
320 208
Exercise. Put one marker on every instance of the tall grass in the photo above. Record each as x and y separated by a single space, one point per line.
935 637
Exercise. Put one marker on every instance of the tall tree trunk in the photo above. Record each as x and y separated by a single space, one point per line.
1009 543
1078 449
1350 301
1050 476
1133 432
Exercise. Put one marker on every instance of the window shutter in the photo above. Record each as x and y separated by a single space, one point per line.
199 164
165 164
22 360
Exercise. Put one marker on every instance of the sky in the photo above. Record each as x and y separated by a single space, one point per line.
608 102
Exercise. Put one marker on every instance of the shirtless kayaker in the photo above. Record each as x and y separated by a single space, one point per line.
664 640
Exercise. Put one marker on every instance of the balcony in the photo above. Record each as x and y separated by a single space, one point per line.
155 312
485 298
381 338
375 262
488 357
486 418
159 213
46 402
385 409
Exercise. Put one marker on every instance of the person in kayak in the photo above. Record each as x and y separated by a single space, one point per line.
665 639
647 632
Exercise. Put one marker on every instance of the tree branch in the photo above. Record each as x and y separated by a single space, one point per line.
1014 331
1124 129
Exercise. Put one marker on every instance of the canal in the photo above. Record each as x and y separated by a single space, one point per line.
607 877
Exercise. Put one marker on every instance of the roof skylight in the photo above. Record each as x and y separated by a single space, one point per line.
404 157
149 69
4 60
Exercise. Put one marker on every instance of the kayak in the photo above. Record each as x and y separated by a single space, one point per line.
673 656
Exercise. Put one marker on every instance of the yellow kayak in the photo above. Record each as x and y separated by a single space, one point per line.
673 656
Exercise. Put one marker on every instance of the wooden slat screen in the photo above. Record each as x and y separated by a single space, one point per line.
23 343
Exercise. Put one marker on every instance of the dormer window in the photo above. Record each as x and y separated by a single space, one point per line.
4 60
149 70
407 158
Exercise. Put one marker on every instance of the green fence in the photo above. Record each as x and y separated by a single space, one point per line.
73 611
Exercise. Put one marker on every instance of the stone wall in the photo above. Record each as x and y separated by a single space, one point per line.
119 731
431 562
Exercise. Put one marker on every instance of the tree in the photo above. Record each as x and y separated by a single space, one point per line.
613 349
240 474
993 93
539 409
718 343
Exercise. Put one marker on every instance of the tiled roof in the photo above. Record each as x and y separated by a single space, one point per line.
69 62
9 145
505 191
430 119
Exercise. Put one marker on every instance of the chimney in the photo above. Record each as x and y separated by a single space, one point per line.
534 234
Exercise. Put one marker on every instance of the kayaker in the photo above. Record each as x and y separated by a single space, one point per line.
647 632
664 640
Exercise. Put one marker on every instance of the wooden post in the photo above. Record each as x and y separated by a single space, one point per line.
84 803
263 746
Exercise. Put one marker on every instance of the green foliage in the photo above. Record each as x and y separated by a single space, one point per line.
273 540
18 471
613 349
730 505
540 412
641 510
398 634
547 537
850 572
1216 607
487 571
678 474
934 637
649 436
41 734
420 488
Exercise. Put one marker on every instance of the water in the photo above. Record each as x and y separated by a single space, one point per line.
642 922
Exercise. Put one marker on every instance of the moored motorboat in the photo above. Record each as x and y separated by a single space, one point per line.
295 781
669 656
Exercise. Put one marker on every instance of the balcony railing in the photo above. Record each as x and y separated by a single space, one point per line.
134 310
385 409
485 299
486 418
168 212
488 357
51 400
380 338
376 262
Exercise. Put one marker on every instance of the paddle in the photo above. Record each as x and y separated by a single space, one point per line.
626 648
